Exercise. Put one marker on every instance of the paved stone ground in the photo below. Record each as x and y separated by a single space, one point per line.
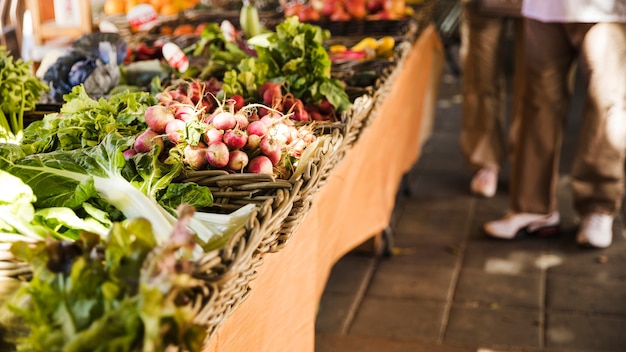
447 287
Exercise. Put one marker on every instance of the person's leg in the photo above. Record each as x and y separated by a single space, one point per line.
482 141
545 103
598 171
517 83
534 176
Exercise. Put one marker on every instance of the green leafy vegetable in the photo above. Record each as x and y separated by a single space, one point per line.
218 54
122 295
244 80
81 174
296 55
20 220
84 122
101 176
20 91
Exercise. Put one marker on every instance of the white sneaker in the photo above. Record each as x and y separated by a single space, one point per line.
596 230
485 182
513 223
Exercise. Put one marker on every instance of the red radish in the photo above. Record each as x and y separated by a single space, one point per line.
224 120
328 8
297 148
242 120
196 91
274 155
235 138
253 141
175 130
186 113
157 117
326 108
217 154
261 165
147 141
281 133
263 111
206 105
258 128
174 94
237 160
269 145
300 115
253 117
271 148
195 156
238 102
269 119
272 96
184 99
317 116
164 97
288 102
128 153
213 135
265 86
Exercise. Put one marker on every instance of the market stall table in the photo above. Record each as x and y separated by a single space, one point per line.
354 205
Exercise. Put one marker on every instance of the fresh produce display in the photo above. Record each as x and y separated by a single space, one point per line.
84 122
295 57
345 10
96 200
162 7
217 54
126 293
367 48
20 90
227 135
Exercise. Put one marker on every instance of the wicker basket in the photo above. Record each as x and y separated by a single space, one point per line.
11 268
227 272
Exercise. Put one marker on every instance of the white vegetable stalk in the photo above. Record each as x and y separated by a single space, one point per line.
120 193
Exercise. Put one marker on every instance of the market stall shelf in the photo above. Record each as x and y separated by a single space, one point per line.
351 207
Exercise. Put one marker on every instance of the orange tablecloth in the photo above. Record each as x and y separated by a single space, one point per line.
354 205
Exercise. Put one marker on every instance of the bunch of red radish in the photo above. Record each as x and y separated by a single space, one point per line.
272 95
253 138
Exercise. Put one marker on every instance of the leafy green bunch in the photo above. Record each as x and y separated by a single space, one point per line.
217 54
123 294
20 91
84 122
296 55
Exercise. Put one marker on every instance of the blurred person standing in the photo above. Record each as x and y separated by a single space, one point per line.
557 32
485 144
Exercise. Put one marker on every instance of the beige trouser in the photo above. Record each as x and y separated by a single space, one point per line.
483 138
598 170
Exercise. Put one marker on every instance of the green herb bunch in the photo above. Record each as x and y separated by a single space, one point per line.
20 91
